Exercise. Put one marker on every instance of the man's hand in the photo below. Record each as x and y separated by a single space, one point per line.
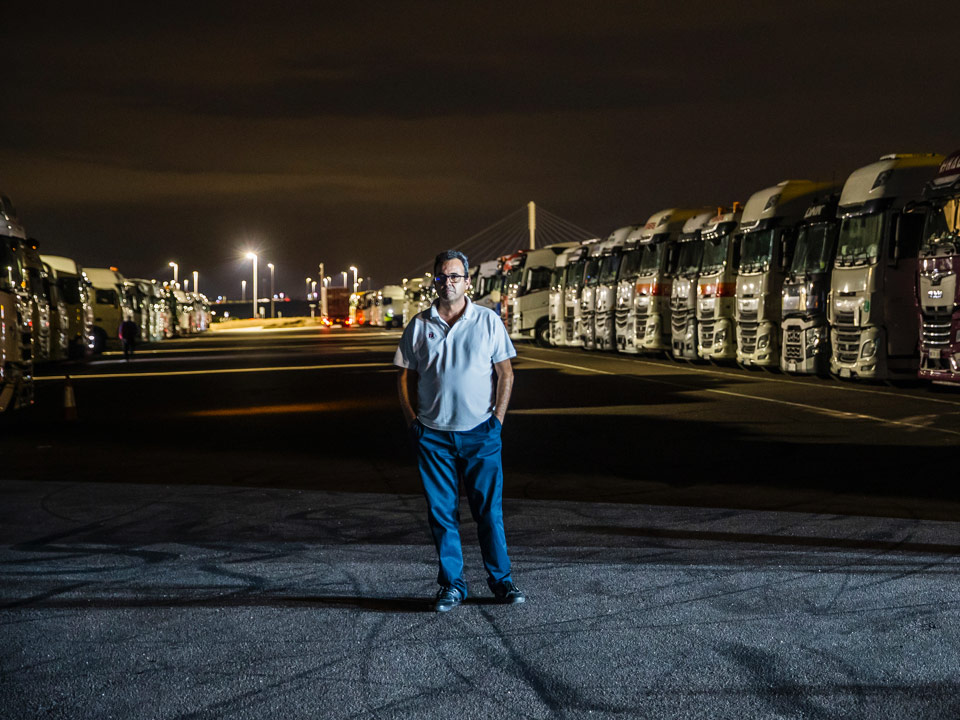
504 388
407 390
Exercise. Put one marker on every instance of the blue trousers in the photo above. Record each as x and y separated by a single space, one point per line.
472 457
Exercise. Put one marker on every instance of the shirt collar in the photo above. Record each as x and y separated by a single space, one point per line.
468 311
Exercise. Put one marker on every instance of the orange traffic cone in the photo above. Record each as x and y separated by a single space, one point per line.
69 400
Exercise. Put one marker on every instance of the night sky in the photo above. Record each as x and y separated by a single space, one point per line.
377 134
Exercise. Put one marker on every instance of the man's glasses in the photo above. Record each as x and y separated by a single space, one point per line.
442 279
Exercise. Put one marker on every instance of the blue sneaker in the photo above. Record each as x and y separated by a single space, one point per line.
447 599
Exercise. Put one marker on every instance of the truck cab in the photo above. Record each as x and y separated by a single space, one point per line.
59 317
805 339
573 282
16 344
389 306
605 301
110 304
872 306
646 280
938 292
768 228
486 284
75 290
684 328
717 285
38 283
555 309
411 298
588 297
529 298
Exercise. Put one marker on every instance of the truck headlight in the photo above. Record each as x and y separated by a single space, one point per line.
643 302
814 336
762 342
869 349
720 337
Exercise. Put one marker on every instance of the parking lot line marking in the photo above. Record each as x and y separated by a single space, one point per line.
219 371
843 414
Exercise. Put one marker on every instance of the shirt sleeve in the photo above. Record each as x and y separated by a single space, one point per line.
502 347
404 356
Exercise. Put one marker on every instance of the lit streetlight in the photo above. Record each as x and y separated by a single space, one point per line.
243 291
344 273
309 280
253 256
176 272
270 265
354 270
196 281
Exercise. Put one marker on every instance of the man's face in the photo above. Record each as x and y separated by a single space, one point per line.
450 291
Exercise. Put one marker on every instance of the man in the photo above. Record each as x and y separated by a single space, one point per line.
129 332
454 361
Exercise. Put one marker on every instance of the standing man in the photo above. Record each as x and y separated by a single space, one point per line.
454 383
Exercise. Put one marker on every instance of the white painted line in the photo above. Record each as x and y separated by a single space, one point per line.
223 371
811 408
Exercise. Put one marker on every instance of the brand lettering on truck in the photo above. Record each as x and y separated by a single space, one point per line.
813 211
951 164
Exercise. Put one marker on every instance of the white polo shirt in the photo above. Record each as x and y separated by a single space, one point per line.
456 390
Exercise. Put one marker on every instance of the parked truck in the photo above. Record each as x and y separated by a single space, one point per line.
872 310
388 307
805 332
684 328
111 305
16 353
37 286
335 305
717 285
529 298
586 321
646 280
555 303
938 292
768 228
75 290
605 316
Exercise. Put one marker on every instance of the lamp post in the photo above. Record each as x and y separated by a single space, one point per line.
344 273
313 289
186 286
270 265
196 281
309 280
253 256
176 272
352 268
243 291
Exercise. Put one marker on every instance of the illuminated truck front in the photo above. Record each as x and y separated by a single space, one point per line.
717 288
652 293
805 332
16 361
626 311
872 309
606 299
683 294
938 292
512 282
588 294
570 334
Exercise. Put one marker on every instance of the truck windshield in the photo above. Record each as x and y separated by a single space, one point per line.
609 267
690 257
556 277
107 297
715 254
814 247
859 240
590 272
70 289
630 264
514 276
757 250
574 277
537 279
650 258
940 227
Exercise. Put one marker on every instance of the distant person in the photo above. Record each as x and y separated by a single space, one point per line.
129 333
455 381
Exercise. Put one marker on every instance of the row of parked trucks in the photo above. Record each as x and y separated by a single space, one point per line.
52 309
856 280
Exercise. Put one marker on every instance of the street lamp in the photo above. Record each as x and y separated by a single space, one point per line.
196 281
309 280
313 288
270 265
243 291
176 272
344 273
253 256
354 279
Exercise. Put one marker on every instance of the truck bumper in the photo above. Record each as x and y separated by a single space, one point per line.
761 348
651 337
717 341
940 365
684 342
859 353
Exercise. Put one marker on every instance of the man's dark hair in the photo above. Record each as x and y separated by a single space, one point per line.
451 255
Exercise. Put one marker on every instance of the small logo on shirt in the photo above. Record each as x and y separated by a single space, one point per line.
431 335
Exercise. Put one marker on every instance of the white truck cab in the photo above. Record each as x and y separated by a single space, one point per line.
110 304
717 285
605 294
685 335
529 297
76 294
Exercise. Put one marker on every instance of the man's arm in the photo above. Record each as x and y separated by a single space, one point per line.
407 389
504 388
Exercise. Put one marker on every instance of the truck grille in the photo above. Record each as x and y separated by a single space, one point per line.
793 348
706 332
622 316
568 331
749 317
568 312
848 344
679 316
935 332
748 336
843 317
641 326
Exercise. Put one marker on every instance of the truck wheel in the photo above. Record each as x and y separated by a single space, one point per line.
542 333
99 340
